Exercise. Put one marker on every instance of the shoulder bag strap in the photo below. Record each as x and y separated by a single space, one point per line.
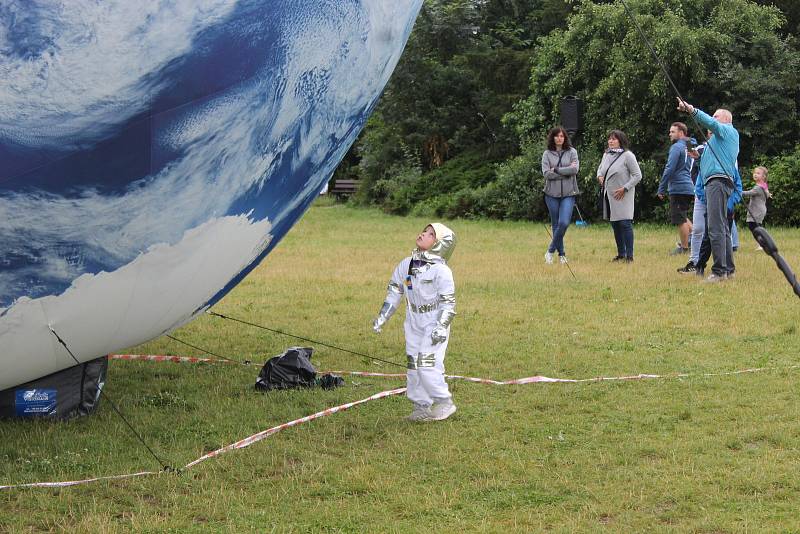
605 174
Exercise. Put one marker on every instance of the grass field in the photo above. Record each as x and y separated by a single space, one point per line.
695 454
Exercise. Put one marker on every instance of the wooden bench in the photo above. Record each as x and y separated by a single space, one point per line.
344 188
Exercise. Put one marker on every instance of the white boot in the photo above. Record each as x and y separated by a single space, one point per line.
442 410
420 413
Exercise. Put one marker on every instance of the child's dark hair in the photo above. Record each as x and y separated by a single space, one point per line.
551 138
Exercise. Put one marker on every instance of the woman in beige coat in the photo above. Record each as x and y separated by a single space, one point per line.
618 175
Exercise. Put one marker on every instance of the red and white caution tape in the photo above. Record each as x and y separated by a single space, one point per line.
546 379
246 442
77 482
329 411
642 376
367 373
241 444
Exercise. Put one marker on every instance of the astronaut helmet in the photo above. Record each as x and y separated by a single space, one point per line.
443 248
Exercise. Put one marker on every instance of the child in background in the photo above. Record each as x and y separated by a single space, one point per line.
428 284
757 199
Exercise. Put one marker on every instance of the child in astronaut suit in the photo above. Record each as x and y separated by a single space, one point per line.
428 284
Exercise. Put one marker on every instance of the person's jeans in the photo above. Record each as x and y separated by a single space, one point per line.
698 229
705 246
718 191
560 216
623 235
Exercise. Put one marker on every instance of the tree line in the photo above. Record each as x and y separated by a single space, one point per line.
460 128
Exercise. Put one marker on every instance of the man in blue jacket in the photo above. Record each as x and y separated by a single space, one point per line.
717 172
676 180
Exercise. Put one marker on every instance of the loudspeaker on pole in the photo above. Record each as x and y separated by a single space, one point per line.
572 115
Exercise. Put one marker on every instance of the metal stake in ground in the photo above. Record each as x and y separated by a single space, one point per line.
580 216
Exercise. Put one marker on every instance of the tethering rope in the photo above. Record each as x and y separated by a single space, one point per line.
164 466
302 338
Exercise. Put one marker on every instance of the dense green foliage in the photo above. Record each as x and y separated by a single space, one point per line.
785 204
465 67
460 129
720 54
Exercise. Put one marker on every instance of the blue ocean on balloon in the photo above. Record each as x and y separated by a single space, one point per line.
152 153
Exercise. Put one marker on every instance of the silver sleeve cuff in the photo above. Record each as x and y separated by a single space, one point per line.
394 288
387 310
447 299
446 317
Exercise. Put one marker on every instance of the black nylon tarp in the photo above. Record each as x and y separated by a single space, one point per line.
292 369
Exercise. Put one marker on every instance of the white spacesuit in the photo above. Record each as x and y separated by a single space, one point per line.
428 284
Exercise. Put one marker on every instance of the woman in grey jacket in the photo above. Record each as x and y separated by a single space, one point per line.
618 175
560 170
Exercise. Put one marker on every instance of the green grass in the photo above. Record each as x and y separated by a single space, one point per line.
697 454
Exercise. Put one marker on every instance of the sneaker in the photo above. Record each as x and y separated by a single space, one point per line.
420 413
616 259
679 250
714 278
442 410
548 258
689 269
563 260
628 259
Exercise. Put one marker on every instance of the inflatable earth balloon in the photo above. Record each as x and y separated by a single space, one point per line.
152 153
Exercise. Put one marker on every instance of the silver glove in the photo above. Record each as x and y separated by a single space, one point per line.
387 310
377 324
439 335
